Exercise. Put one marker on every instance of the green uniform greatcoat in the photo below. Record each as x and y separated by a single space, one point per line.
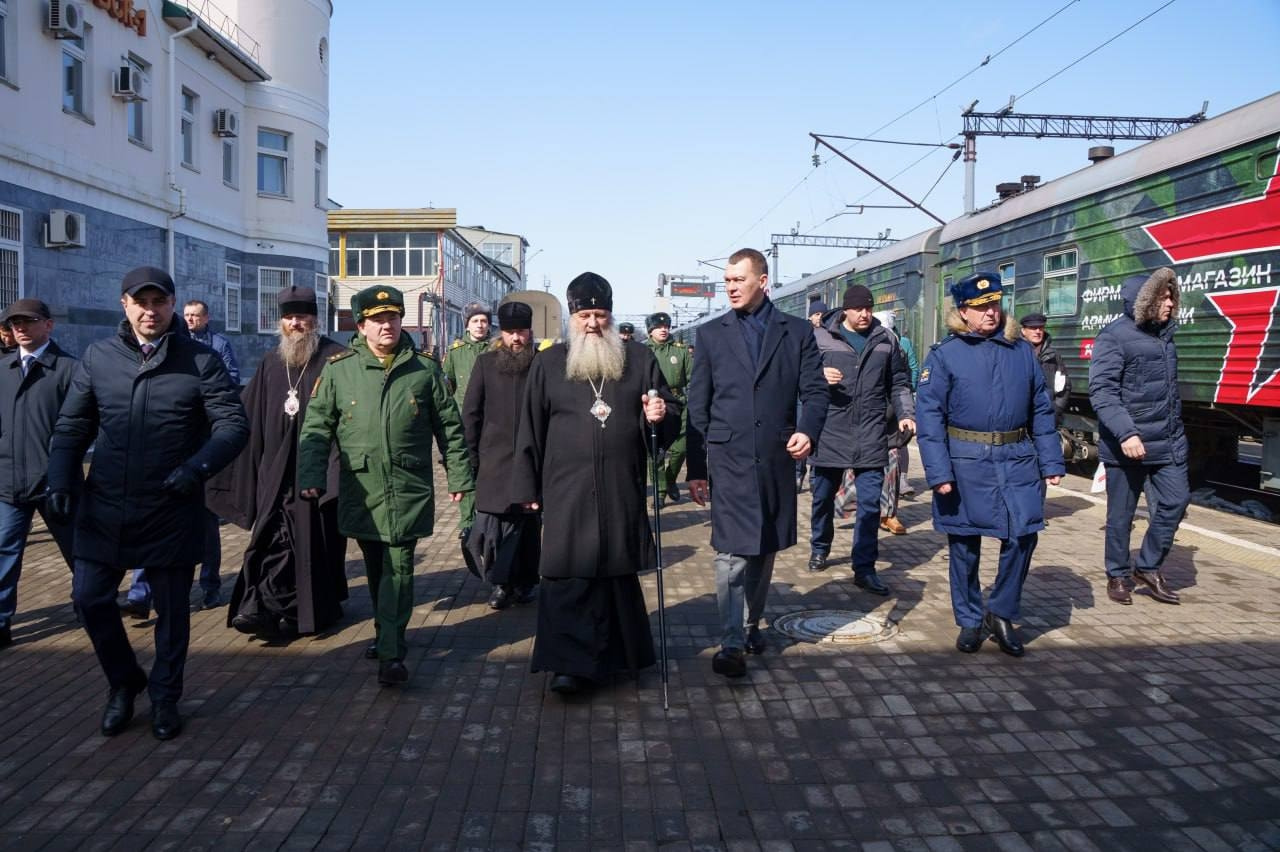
676 364
459 361
383 420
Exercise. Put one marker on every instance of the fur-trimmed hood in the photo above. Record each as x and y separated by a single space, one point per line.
1142 294
957 326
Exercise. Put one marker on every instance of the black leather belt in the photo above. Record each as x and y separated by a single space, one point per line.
995 439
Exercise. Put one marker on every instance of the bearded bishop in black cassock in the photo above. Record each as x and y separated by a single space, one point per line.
582 453
293 576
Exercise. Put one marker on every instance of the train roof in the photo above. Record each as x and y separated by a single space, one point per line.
925 241
1236 127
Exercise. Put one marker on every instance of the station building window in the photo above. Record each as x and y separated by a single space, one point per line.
139 124
231 279
6 29
10 256
75 55
187 127
392 254
273 163
231 162
501 252
322 303
270 282
321 192
1061 279
335 251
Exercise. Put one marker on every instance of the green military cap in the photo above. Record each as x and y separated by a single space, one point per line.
375 300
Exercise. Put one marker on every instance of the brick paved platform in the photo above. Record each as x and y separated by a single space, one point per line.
1142 727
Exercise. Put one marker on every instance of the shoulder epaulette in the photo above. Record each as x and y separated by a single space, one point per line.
457 344
680 345
344 354
430 356
546 344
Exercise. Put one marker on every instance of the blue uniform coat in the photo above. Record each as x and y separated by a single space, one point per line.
740 419
987 384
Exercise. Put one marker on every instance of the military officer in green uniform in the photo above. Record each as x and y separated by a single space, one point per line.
382 403
459 361
676 362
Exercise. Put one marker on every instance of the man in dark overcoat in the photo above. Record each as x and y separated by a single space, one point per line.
867 377
34 381
988 444
745 438
509 533
581 456
163 416
1133 387
293 577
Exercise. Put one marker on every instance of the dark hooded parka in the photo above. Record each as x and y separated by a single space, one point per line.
293 540
1133 377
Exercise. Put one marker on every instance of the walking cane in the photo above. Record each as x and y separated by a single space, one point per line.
657 539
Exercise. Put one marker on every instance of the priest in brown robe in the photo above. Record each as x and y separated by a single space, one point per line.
293 578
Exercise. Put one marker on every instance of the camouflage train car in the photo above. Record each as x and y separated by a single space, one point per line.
1205 201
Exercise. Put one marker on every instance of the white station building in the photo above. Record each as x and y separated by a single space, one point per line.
192 136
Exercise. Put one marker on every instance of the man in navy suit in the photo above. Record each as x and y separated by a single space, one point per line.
751 366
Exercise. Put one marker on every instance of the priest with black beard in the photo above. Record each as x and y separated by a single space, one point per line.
581 456
505 535
293 579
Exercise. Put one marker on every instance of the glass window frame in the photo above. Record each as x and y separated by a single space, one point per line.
187 129
322 303
6 29
268 305
275 154
230 150
1051 279
320 187
136 110
76 50
232 276
11 257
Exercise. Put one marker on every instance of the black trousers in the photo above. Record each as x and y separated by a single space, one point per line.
93 590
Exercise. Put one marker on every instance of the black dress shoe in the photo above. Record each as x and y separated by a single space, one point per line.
371 652
119 709
871 583
256 625
135 609
500 598
817 562
729 662
524 594
166 721
1154 581
392 672
212 600
1118 591
970 640
566 684
673 492
755 641
1004 634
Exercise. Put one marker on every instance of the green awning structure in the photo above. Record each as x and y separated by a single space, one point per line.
226 44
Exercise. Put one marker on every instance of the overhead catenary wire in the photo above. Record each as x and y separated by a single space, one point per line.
986 61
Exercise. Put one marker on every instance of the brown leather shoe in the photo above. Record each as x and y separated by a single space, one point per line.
893 525
1154 581
1118 591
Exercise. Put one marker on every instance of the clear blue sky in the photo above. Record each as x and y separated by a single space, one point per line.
637 138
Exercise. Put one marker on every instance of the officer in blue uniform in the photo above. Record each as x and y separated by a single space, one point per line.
986 431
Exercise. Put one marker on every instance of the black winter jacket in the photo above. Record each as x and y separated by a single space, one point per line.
857 431
1052 367
28 409
1133 378
145 418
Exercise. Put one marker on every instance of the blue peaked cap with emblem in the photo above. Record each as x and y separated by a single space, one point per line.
977 289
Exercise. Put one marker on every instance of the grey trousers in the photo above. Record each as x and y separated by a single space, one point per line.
742 586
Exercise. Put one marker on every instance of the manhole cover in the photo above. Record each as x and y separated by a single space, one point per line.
836 626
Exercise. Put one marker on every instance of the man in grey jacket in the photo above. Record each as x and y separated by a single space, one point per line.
866 373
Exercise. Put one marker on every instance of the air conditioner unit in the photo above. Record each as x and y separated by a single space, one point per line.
65 20
129 84
65 229
225 123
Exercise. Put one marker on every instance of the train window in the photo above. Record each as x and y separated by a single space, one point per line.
1267 164
1061 275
